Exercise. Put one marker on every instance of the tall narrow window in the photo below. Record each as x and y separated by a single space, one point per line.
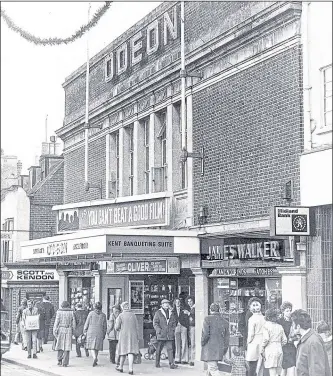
146 151
328 96
117 164
131 160
163 138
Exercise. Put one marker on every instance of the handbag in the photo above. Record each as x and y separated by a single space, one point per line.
81 340
137 358
32 322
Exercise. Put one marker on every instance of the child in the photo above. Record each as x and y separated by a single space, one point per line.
325 332
238 362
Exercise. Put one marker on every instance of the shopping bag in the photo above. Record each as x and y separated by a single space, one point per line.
137 358
32 322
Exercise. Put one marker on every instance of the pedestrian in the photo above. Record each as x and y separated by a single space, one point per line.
80 316
128 342
255 332
49 313
63 328
181 335
19 325
95 330
191 329
311 357
289 349
237 362
324 330
214 339
165 323
30 315
41 330
273 340
113 335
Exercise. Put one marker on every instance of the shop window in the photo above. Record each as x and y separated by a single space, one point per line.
81 290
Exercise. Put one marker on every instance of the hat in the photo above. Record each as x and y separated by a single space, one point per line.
165 301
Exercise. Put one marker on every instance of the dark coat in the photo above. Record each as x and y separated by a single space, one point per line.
49 311
182 318
80 319
311 359
165 329
214 338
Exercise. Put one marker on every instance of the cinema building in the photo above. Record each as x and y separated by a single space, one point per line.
143 220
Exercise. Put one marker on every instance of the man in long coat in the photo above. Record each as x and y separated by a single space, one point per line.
165 323
311 358
214 339
49 313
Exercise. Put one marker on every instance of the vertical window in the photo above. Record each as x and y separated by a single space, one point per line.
108 68
163 138
152 37
117 164
146 151
328 96
131 160
122 59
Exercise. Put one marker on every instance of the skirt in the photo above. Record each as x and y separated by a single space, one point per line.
289 356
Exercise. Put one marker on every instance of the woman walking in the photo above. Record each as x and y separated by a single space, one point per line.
63 328
113 334
289 349
128 343
95 331
80 316
273 340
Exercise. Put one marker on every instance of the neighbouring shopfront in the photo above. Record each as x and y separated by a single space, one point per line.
241 268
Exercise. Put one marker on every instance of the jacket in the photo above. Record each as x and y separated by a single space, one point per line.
27 312
80 317
49 311
112 333
19 314
214 338
311 358
191 316
328 348
182 318
63 328
165 329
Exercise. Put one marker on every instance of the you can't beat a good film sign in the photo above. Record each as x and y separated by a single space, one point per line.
292 221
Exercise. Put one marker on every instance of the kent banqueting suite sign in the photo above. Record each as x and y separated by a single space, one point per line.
126 214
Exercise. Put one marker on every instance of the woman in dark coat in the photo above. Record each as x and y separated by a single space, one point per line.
80 316
95 331
214 338
41 331
289 349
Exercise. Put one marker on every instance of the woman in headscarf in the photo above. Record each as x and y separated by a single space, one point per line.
95 331
128 342
63 328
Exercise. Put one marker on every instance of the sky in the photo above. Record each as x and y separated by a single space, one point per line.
32 76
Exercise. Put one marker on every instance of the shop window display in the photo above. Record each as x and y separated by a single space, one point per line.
81 290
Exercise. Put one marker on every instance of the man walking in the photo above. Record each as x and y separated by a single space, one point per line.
49 313
164 323
214 339
311 358
31 335
191 328
80 316
181 338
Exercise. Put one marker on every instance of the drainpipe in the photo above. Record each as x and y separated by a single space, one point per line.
306 76
183 76
86 180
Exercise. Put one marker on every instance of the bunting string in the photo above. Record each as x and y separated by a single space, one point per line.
54 41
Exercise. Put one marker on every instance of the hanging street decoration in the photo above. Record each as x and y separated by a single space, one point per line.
54 41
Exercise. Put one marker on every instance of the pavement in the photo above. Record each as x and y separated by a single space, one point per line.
47 364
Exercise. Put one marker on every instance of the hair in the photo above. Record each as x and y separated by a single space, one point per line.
323 327
190 297
238 351
272 315
98 305
30 301
254 299
214 307
123 304
65 304
301 318
180 300
286 305
79 305
117 306
24 302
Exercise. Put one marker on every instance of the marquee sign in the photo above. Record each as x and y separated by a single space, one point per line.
291 221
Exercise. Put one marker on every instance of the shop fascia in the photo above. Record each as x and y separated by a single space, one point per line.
32 274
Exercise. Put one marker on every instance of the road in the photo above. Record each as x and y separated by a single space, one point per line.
8 369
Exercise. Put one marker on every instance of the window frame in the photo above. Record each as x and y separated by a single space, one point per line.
117 156
146 144
324 97
131 158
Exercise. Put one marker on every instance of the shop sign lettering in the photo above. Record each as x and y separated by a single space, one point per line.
241 272
57 249
291 221
139 244
170 266
23 275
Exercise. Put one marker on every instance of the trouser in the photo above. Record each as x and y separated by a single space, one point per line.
31 336
112 350
78 348
63 356
46 332
213 369
192 343
181 341
24 336
18 335
159 348
252 368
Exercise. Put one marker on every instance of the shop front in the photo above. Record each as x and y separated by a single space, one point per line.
239 269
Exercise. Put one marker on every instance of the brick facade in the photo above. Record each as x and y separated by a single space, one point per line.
49 192
251 127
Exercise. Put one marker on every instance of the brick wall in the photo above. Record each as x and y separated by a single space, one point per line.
43 220
74 172
19 292
251 127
